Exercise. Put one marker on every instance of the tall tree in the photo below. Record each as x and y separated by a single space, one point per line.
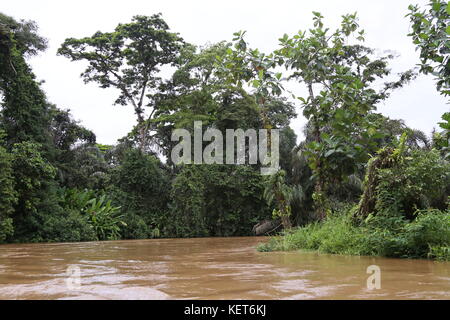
24 113
339 78
200 90
242 65
129 59
25 117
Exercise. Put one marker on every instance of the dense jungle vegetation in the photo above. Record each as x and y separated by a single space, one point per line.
359 182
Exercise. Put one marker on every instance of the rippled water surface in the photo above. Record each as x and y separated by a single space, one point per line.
207 268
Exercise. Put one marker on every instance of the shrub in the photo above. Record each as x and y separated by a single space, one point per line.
217 200
334 235
428 236
104 218
97 211
135 227
69 226
141 187
440 253
420 181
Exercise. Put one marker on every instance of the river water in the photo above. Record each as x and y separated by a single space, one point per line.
207 268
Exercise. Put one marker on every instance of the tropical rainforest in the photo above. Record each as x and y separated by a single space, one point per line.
358 183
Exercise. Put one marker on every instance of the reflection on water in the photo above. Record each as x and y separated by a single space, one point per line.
207 268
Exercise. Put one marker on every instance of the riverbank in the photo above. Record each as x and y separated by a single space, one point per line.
427 236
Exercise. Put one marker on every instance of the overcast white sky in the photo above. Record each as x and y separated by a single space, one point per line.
205 21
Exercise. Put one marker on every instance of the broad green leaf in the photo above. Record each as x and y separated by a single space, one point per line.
436 6
256 83
261 74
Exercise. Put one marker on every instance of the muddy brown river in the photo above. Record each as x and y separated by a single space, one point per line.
208 268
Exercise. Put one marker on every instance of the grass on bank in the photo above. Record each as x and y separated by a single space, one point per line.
427 236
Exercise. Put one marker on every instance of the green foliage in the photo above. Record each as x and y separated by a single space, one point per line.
188 202
25 33
135 227
83 166
32 175
428 232
195 92
408 187
80 162
345 74
277 192
200 91
65 226
441 140
288 142
394 236
241 64
128 59
46 157
8 195
420 181
141 187
98 212
37 200
217 200
430 33
34 132
104 219
390 130
428 236
400 181
440 253
24 113
334 235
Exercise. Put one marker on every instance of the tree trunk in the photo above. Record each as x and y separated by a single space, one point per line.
286 221
319 204
142 138
319 187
